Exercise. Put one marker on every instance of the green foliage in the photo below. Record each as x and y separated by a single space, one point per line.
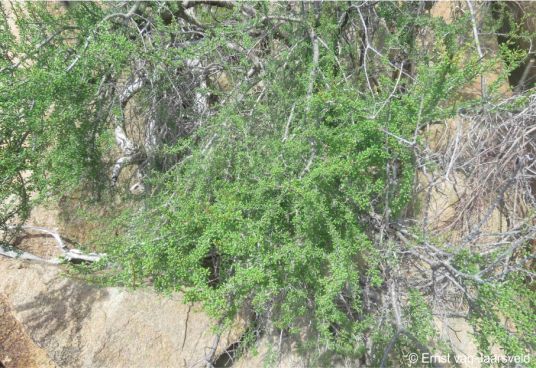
51 122
270 206
422 325
504 316
272 212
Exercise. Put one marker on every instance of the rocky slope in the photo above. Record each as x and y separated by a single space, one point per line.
49 320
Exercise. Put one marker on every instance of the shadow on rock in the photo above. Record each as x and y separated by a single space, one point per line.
56 316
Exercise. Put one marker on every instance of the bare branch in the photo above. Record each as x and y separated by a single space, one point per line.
477 43
70 255
314 67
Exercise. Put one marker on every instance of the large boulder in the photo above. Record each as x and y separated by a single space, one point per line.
74 324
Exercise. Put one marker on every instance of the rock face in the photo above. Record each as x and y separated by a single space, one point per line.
16 348
67 323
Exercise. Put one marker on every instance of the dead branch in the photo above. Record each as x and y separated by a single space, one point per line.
69 255
314 67
477 43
